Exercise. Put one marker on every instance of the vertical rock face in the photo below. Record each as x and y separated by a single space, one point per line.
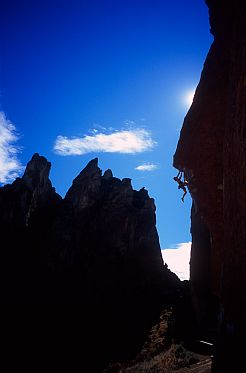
18 204
86 187
36 175
205 303
93 256
211 151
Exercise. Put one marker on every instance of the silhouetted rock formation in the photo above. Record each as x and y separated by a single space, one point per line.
211 152
18 205
97 251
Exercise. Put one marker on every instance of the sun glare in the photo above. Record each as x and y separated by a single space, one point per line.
188 97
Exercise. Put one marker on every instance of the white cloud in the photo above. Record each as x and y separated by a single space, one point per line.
129 122
124 141
178 259
146 167
10 166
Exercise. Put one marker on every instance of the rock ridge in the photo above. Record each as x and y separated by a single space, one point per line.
95 251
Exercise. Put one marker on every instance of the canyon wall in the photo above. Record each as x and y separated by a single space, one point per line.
212 153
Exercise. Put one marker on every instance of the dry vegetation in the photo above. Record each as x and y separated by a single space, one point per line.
159 354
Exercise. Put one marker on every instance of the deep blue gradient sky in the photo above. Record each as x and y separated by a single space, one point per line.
69 67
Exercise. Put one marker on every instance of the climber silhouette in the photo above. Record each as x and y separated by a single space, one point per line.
182 184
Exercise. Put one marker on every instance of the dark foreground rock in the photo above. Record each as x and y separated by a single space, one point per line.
86 270
211 152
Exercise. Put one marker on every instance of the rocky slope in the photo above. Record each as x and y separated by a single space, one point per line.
211 152
90 261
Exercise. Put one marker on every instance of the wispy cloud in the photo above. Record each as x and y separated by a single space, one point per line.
10 166
146 167
178 259
124 141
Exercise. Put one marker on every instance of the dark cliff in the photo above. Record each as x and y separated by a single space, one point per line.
211 152
92 261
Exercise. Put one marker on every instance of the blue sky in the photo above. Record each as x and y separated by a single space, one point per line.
107 79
